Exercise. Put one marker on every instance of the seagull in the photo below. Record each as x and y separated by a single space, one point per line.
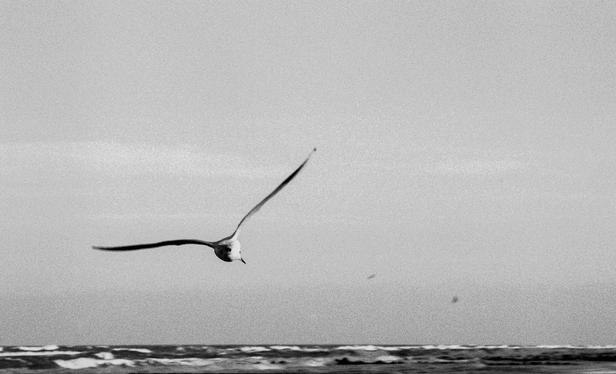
227 249
371 276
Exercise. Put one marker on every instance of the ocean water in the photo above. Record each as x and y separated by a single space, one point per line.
308 359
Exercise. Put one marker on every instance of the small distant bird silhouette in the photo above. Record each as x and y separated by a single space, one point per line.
454 300
371 276
227 249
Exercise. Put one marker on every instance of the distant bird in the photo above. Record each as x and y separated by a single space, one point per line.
227 249
454 300
371 276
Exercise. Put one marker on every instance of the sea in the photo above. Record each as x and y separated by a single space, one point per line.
308 359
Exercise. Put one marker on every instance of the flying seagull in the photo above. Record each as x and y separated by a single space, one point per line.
227 249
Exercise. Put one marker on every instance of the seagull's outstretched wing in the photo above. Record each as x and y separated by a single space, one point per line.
154 245
280 187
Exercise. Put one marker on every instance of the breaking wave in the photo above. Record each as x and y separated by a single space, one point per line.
296 358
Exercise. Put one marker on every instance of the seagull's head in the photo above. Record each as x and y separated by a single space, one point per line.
235 250
236 256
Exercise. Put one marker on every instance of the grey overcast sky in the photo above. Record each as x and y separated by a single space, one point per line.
465 148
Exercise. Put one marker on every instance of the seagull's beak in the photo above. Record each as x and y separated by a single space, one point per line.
241 259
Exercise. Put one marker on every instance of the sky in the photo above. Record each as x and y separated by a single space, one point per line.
464 148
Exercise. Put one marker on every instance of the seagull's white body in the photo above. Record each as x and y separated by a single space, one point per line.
227 249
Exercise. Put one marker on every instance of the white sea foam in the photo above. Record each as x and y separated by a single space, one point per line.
446 347
315 362
296 348
254 349
285 347
191 361
357 348
105 355
266 366
85 362
78 363
503 346
388 359
50 347
140 350
43 353
547 346
395 348
370 347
